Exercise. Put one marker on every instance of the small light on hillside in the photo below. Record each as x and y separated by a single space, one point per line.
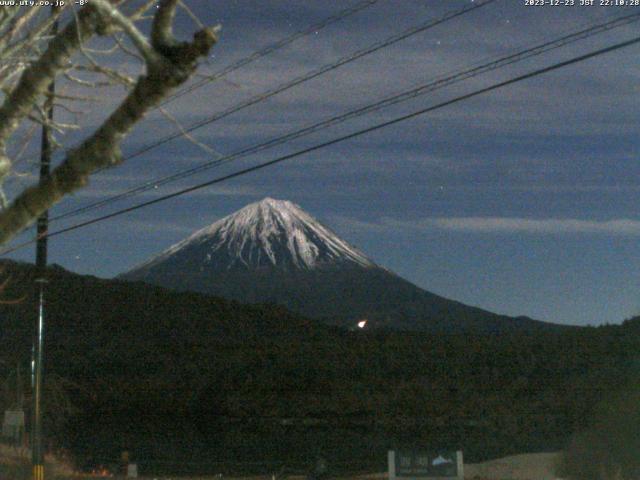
362 323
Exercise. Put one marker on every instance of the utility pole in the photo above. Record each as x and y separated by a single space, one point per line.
37 452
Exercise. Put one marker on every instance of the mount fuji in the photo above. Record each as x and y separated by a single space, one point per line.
272 251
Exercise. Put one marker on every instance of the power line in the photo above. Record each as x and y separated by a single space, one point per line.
315 73
358 133
315 28
297 81
440 82
272 48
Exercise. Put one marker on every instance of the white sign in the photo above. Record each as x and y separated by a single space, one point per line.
13 423
132 470
421 465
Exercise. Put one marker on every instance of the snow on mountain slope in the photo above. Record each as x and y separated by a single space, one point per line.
274 252
270 233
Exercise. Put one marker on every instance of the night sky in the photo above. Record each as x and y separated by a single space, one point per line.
523 201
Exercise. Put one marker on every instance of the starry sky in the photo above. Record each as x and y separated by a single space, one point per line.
523 201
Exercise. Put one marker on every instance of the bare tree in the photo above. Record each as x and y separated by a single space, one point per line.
31 57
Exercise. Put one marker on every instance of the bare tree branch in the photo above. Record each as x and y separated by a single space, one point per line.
37 77
188 135
170 65
29 40
16 25
138 14
127 50
162 30
137 37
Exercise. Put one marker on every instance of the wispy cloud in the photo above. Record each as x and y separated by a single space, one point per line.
218 190
536 226
497 225
171 228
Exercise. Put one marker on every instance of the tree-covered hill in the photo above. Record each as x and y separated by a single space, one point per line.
187 379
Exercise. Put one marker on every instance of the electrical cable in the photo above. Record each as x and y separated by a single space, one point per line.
314 74
440 82
272 48
334 141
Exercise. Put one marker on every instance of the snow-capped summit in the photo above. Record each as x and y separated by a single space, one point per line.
266 234
274 252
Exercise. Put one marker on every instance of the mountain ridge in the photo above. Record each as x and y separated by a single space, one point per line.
255 235
272 251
